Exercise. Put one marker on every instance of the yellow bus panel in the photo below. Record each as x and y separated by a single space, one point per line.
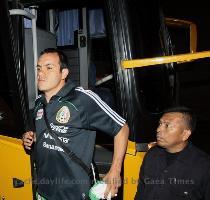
15 170
132 165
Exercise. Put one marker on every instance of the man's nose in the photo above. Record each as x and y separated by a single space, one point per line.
40 72
158 129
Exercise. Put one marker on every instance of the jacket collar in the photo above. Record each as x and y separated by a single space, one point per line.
185 156
64 91
67 88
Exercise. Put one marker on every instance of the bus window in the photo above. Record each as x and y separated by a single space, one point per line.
101 58
154 86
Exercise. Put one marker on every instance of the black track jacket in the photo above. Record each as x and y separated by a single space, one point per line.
187 178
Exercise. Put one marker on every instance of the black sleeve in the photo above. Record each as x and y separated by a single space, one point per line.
207 184
100 116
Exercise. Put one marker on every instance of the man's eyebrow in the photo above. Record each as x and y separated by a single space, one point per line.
48 64
164 121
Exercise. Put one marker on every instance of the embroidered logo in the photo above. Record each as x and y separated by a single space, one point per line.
63 115
39 114
60 129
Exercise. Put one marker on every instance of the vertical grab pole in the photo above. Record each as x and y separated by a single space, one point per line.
34 34
31 16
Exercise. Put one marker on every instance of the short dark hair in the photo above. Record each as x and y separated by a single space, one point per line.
188 114
62 56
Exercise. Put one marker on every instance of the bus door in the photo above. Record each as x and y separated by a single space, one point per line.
82 33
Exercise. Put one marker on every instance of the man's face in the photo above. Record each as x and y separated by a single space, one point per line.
172 132
49 77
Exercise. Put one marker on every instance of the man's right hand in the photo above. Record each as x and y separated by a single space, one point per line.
28 139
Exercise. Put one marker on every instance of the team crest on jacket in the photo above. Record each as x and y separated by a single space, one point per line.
39 114
63 115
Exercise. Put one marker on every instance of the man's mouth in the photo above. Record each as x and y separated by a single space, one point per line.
159 138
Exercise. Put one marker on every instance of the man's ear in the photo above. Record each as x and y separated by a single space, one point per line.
186 134
65 73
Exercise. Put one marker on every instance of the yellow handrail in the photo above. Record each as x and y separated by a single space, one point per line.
185 23
164 59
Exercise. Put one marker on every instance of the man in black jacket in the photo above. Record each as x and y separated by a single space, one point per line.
72 115
175 169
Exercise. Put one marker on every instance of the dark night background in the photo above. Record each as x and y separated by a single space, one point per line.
195 78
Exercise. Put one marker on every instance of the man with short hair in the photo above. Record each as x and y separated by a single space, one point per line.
175 169
74 114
